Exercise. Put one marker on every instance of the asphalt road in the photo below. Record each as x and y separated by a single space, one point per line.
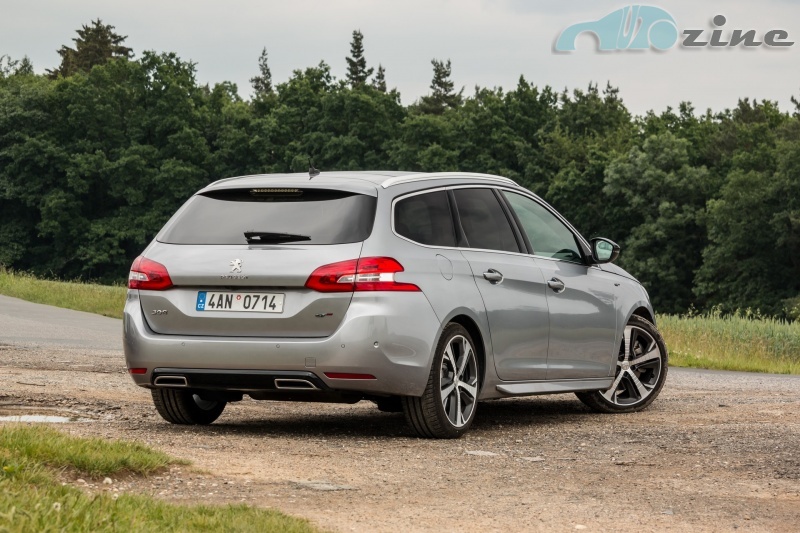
718 451
32 324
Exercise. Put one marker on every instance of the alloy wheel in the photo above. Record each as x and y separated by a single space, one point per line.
459 381
639 367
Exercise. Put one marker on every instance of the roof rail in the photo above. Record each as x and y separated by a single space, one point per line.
223 180
397 180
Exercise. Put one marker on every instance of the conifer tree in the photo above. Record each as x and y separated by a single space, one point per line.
443 93
262 83
25 67
379 81
357 71
95 45
15 67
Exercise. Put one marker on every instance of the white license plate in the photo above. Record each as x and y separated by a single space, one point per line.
251 302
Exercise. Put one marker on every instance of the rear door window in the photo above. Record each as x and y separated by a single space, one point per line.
426 219
485 224
272 216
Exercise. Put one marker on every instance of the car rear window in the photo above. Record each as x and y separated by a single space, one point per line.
426 219
278 215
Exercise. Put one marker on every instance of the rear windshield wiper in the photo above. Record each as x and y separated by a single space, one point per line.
267 237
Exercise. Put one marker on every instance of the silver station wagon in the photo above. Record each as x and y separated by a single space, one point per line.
424 293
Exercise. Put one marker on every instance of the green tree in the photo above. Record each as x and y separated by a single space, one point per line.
752 259
485 139
262 82
95 45
15 67
426 143
443 95
230 130
531 114
294 123
661 198
590 129
93 165
357 71
379 82
31 158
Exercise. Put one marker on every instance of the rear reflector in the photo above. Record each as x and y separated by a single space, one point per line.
146 274
346 375
137 370
365 274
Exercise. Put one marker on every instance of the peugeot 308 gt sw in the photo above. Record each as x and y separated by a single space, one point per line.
425 293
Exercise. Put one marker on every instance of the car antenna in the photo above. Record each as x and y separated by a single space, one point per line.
312 172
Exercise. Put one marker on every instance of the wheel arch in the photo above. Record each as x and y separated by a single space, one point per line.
645 313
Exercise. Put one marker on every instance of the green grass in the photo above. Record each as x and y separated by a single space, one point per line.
94 457
737 342
92 298
743 343
32 498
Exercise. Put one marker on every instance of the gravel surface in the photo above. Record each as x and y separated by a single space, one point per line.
718 451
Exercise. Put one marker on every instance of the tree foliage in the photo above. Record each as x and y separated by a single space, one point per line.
443 95
94 160
15 67
379 81
262 82
357 71
95 44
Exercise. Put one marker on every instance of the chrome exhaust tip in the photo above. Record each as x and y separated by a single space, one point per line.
294 384
171 381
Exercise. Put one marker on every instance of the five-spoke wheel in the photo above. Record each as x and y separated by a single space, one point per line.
447 408
640 372
458 379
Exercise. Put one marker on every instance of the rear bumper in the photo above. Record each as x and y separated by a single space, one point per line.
402 324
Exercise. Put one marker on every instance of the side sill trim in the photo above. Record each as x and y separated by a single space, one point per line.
554 387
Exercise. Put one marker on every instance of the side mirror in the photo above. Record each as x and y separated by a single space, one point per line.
604 250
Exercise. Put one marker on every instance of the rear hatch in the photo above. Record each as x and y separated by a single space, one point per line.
239 260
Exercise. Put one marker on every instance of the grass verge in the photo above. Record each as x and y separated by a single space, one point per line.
744 343
32 498
99 299
732 343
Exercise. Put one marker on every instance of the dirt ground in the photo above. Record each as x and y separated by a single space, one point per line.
717 451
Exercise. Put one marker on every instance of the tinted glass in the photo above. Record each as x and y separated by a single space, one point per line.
547 234
315 216
426 219
483 220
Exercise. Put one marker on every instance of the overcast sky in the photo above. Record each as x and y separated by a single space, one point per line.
490 42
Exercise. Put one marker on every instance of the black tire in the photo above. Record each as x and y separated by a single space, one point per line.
427 415
625 395
181 406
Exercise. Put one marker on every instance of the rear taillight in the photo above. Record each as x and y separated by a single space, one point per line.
365 274
146 274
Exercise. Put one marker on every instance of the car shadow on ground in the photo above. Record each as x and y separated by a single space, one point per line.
326 422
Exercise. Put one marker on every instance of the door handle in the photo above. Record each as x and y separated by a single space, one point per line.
493 276
557 285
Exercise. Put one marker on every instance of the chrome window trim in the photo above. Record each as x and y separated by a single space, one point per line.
460 249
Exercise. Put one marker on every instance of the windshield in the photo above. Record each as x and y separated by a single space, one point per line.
314 216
